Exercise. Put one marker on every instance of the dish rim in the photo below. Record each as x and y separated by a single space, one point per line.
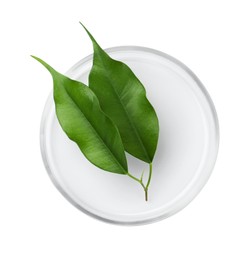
145 221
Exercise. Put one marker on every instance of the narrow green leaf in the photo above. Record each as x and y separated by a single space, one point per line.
123 98
82 119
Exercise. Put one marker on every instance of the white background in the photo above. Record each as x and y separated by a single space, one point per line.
36 222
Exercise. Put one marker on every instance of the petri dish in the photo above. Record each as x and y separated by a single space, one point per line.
185 156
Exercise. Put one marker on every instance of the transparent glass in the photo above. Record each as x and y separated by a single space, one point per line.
185 157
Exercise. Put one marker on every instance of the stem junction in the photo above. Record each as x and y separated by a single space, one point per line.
145 187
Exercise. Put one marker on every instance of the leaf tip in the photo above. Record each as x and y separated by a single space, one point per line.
89 34
36 58
47 66
83 25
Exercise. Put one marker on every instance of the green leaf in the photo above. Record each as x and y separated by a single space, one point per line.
123 98
82 119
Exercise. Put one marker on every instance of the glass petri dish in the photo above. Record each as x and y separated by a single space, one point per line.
185 156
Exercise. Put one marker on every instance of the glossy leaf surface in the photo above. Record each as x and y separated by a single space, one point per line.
123 98
82 119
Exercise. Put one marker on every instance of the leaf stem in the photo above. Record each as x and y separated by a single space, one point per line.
145 187
133 177
148 182
150 174
146 195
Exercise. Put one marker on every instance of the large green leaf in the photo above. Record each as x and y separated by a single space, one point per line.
84 122
123 98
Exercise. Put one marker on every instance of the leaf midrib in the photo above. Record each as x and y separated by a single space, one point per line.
131 123
98 135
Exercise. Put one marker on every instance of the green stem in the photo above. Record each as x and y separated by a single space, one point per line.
133 177
146 195
150 174
145 187
148 182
